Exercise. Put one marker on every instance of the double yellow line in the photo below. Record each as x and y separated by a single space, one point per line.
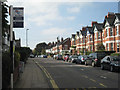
54 85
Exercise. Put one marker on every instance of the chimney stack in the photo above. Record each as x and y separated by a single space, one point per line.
62 39
93 22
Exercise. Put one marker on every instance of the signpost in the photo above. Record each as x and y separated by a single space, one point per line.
18 17
16 21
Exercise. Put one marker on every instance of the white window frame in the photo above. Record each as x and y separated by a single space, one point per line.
90 37
111 32
98 35
117 30
118 47
111 46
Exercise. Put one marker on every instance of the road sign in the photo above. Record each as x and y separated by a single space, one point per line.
18 17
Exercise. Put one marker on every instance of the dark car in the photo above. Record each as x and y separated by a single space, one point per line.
94 59
111 63
81 59
73 58
44 56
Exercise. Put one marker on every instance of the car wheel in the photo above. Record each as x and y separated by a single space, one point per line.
85 63
93 64
102 66
111 68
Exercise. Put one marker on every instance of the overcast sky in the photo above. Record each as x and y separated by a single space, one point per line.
47 19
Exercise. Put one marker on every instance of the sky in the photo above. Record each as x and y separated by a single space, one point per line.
48 19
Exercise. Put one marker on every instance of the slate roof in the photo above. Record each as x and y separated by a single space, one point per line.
117 15
90 29
99 26
110 20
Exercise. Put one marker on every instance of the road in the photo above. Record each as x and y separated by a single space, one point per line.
60 74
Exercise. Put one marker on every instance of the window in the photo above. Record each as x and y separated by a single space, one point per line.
83 40
117 47
90 37
117 30
95 36
98 35
91 48
107 46
107 33
111 32
111 46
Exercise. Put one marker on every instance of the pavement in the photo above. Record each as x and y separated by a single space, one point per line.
32 77
49 73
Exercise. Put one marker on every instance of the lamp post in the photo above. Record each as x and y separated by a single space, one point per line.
27 37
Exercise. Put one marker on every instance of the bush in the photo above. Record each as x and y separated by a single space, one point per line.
16 59
6 69
115 54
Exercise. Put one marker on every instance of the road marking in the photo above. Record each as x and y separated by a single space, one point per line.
85 76
102 85
54 85
82 69
93 80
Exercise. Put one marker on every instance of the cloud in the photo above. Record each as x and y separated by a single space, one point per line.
73 10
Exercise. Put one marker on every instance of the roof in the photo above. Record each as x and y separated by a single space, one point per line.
109 19
64 41
117 15
99 26
90 29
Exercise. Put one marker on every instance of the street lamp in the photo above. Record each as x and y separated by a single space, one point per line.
27 37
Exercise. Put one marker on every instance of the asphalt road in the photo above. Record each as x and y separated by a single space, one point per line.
60 74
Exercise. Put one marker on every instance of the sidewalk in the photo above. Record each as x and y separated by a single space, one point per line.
32 77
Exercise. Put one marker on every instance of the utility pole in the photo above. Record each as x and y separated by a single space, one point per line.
27 37
0 45
11 44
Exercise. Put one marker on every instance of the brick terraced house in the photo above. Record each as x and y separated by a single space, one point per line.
107 33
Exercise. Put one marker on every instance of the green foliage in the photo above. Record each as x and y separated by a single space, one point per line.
6 69
5 25
40 47
16 59
88 52
24 53
73 46
115 54
43 52
100 47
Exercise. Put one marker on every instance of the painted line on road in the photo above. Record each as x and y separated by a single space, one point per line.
54 85
103 85
93 80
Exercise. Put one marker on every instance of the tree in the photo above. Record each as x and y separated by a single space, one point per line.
5 26
40 47
43 52
100 47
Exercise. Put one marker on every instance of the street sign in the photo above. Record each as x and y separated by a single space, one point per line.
18 17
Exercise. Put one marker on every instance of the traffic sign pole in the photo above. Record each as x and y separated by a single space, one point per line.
11 43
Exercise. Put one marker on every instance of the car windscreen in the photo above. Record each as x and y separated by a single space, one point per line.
115 59
74 56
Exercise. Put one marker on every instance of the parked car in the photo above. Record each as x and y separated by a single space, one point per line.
94 59
73 58
32 56
58 57
44 56
66 58
81 59
111 63
54 56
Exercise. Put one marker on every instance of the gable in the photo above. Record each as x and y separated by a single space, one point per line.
117 21
95 29
107 24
